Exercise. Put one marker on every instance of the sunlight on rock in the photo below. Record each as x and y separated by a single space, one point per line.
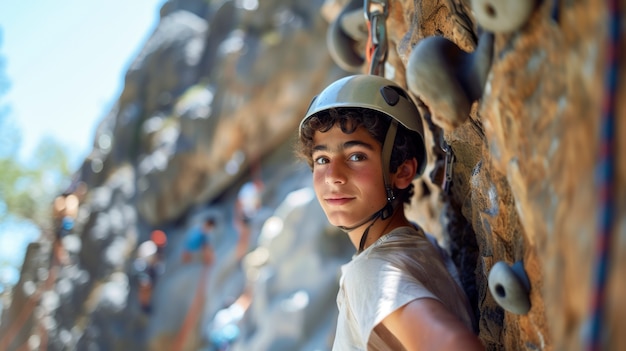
65 287
97 165
29 288
42 274
233 44
114 293
271 229
152 125
72 243
104 142
50 301
295 199
116 253
296 302
34 342
249 5
233 165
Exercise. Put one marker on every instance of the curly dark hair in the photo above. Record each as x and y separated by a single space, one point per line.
376 123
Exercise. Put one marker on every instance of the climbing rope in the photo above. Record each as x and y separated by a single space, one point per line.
606 180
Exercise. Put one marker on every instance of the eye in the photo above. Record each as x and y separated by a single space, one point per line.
321 160
357 157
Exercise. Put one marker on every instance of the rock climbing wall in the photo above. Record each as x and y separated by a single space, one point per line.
514 103
525 183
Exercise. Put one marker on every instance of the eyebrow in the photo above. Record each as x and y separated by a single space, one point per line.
346 145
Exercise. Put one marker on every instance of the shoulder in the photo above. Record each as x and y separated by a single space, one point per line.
387 272
401 245
393 252
404 234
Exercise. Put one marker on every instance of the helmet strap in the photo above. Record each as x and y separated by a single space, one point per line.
364 236
370 218
390 138
383 214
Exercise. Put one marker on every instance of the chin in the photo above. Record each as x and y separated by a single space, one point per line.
340 221
333 219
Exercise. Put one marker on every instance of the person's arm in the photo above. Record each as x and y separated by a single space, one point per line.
425 324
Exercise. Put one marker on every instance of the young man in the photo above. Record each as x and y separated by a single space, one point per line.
363 138
199 241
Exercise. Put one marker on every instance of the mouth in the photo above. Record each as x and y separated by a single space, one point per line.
337 200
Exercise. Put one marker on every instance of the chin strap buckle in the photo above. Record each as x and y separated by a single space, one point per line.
387 211
390 195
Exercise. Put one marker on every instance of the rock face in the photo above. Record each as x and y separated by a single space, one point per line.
212 103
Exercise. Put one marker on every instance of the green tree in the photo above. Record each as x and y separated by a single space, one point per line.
27 188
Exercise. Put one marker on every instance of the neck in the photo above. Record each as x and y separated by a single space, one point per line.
379 228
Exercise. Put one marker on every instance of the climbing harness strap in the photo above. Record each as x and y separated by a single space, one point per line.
386 159
376 13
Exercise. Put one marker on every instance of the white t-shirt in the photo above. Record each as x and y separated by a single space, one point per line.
398 268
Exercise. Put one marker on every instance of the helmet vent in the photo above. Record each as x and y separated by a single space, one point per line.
390 95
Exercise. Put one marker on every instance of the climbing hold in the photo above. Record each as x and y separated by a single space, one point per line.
510 287
447 79
341 41
502 16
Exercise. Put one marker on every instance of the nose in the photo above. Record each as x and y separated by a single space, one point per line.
335 173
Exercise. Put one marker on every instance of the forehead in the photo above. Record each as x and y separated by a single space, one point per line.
336 137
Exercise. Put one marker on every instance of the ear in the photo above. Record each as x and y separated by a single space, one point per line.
405 173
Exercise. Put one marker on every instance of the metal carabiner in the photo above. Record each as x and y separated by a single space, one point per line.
376 13
372 6
448 165
447 180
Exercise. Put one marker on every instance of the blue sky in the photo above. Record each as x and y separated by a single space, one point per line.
66 61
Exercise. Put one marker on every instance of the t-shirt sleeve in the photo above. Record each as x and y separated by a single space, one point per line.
376 288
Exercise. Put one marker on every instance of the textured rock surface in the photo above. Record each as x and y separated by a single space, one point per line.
213 101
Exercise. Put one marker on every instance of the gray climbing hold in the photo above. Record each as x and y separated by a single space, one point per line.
502 16
447 79
510 287
340 40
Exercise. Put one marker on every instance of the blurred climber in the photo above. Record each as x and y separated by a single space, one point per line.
159 238
150 265
64 213
199 243
78 188
224 329
363 138
247 206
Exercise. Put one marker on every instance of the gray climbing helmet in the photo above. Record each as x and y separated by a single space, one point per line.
379 94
